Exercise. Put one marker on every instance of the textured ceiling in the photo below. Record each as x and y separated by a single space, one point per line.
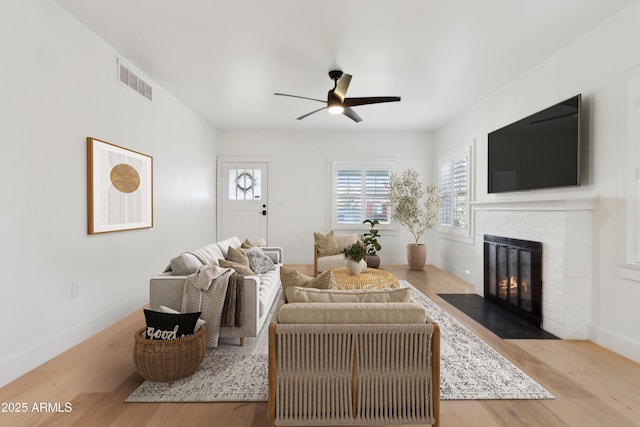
225 59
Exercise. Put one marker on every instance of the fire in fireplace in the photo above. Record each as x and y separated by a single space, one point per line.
513 276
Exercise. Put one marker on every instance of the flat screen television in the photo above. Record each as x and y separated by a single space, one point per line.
539 151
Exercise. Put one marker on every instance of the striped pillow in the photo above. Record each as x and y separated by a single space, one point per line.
291 277
327 243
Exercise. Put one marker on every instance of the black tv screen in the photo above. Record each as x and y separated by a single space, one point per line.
539 151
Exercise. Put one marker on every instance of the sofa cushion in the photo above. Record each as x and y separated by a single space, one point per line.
291 277
185 264
345 240
224 245
189 262
239 268
169 325
327 244
258 261
332 313
330 262
298 294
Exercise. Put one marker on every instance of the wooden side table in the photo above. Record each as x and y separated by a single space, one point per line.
372 278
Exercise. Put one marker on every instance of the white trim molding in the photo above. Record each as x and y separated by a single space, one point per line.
564 204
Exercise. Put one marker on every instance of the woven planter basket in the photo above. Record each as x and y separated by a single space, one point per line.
169 360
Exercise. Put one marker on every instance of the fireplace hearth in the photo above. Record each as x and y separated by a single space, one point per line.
513 276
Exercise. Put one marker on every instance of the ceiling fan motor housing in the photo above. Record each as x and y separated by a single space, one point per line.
335 74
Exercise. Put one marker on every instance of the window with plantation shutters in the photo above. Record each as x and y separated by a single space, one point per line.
360 192
454 183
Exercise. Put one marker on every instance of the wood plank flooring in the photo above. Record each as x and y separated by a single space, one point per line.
593 386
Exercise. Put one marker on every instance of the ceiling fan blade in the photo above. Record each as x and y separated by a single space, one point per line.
301 97
342 86
308 114
352 102
352 115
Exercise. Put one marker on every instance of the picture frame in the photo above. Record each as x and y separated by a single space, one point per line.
119 188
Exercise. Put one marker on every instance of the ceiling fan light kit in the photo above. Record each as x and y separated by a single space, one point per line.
337 103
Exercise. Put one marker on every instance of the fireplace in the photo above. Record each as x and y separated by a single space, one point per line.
513 276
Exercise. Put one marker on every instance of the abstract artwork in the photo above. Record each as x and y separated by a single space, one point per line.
119 188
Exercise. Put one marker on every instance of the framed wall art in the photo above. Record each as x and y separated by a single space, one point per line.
119 188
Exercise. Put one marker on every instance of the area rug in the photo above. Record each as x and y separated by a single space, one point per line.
469 369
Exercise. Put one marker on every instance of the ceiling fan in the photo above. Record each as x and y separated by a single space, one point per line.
337 103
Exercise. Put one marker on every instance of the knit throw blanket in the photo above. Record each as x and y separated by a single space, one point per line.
232 309
217 293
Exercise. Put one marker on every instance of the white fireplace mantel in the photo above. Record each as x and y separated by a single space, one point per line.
555 204
564 225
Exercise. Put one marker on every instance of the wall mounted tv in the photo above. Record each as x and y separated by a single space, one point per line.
539 151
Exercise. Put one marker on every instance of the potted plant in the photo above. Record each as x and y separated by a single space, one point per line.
415 213
355 254
370 239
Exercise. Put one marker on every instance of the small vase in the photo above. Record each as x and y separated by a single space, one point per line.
356 267
416 256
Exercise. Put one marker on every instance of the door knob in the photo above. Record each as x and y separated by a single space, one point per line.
264 212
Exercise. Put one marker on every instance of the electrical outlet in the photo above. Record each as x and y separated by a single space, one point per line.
75 290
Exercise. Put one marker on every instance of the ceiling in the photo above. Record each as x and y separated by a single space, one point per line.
225 59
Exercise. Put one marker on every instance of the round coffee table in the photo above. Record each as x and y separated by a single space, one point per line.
372 278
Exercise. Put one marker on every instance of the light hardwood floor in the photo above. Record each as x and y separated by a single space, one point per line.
593 386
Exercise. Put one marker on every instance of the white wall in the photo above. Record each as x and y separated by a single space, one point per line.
300 180
598 65
58 85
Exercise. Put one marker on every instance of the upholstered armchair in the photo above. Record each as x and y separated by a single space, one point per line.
327 250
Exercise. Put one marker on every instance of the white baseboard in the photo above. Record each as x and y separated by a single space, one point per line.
615 342
15 365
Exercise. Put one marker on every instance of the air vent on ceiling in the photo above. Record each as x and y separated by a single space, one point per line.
131 79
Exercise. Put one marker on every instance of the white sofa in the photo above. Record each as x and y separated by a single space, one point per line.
260 291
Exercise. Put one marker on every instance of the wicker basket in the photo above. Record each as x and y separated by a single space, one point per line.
168 360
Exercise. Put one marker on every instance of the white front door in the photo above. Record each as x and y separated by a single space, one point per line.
243 200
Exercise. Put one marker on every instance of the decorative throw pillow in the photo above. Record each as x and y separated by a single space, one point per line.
239 268
258 261
236 255
199 323
327 244
184 264
246 244
290 277
168 326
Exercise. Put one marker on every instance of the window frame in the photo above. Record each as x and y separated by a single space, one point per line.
356 164
464 234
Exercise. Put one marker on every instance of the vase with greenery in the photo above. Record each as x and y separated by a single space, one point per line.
370 239
415 206
355 255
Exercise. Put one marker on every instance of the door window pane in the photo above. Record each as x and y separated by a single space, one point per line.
244 184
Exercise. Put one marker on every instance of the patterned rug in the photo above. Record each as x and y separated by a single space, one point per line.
469 369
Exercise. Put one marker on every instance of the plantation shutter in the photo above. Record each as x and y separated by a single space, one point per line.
453 182
349 196
361 193
377 196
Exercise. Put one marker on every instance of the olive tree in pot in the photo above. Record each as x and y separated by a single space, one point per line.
414 211
370 239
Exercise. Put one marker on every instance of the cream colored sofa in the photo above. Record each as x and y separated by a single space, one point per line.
346 362
260 291
337 260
